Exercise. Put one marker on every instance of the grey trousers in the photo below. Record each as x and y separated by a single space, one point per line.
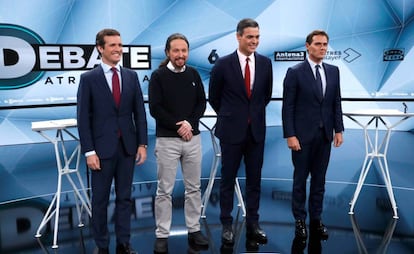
170 151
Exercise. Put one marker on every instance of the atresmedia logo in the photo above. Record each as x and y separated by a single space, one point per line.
24 57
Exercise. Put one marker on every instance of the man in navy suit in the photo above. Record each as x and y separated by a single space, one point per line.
241 124
113 136
312 120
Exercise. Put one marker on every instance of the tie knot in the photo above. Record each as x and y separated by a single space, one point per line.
247 59
318 66
113 69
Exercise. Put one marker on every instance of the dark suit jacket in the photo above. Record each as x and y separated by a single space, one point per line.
303 107
228 97
99 119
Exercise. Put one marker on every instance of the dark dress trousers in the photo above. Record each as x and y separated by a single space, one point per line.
241 128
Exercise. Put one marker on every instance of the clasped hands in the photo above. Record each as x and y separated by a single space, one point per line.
185 131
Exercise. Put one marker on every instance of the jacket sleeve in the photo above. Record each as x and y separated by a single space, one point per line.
216 86
288 106
200 106
84 117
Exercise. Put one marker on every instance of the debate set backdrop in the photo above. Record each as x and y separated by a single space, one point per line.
45 45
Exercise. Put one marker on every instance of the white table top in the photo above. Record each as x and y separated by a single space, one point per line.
378 112
54 124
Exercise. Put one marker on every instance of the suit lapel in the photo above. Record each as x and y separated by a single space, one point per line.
327 76
124 89
257 72
239 79
104 86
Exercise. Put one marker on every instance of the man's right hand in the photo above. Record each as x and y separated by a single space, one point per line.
293 143
185 130
93 162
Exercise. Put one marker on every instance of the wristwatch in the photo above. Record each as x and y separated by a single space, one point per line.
145 146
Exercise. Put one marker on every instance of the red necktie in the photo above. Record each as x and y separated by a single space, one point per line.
116 90
247 78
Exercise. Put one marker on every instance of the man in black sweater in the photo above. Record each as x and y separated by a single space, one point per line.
177 102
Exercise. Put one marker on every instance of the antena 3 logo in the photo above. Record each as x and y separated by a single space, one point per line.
24 57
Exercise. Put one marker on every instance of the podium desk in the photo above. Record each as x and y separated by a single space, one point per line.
376 149
213 171
66 166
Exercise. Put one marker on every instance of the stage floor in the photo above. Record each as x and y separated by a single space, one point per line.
28 181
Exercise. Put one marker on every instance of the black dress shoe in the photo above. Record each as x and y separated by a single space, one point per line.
319 230
227 236
300 229
161 246
125 249
298 246
100 251
254 232
252 245
197 238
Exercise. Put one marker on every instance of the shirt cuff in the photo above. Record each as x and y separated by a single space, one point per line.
87 154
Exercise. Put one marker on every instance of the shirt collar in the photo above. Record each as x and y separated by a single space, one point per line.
242 56
171 67
107 67
313 64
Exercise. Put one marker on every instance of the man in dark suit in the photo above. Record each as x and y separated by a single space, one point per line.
312 119
241 124
113 134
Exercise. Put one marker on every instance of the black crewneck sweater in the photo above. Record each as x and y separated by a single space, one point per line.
174 97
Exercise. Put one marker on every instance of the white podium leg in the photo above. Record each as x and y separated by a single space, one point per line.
386 176
210 184
364 172
79 193
239 197
376 151
213 171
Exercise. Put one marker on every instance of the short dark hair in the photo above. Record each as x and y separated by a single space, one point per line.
309 38
244 23
170 38
100 41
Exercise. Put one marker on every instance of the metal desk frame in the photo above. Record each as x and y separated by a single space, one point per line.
64 169
386 238
374 149
213 171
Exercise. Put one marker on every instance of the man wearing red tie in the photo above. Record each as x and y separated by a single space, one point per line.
113 135
240 89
